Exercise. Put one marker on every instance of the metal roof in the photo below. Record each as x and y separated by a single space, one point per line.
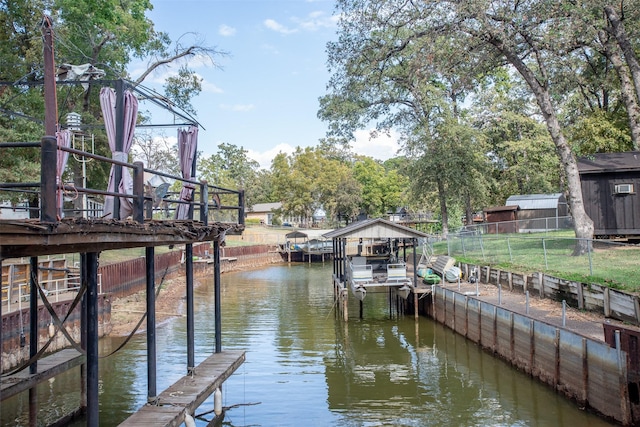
264 207
309 234
609 162
537 201
377 228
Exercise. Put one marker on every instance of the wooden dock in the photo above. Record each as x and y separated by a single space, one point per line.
189 392
48 367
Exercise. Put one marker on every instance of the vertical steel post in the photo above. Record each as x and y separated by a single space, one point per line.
50 96
241 205
83 331
33 312
8 299
151 323
217 286
92 340
188 254
204 200
138 192
33 336
48 161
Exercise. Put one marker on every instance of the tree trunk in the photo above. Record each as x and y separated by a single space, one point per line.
582 224
627 92
442 197
627 49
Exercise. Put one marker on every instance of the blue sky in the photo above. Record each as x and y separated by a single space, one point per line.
265 97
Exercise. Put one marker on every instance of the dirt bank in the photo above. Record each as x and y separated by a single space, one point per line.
126 312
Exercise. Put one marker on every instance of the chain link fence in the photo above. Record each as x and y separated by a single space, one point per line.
610 262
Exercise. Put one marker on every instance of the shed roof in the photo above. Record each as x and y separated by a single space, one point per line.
537 201
377 228
609 162
309 234
265 207
502 208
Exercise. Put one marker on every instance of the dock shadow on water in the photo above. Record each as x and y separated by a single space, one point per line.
305 366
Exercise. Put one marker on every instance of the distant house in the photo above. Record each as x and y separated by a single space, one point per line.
269 214
610 183
264 212
539 212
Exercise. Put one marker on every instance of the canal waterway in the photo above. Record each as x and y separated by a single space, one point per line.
306 367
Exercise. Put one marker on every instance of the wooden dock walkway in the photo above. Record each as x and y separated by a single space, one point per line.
48 367
189 392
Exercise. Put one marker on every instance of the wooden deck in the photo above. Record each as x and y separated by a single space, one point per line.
48 367
189 392
36 238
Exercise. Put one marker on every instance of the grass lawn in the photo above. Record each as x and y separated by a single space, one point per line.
608 263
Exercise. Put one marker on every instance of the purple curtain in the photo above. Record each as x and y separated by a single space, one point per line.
108 105
187 145
64 140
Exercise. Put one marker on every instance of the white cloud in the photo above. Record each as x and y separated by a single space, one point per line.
237 107
381 146
265 157
226 31
209 87
277 27
316 21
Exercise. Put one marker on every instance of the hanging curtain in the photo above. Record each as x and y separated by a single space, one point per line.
130 112
187 145
64 140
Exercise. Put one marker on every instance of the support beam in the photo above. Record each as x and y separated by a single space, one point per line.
217 293
188 263
92 340
151 324
33 313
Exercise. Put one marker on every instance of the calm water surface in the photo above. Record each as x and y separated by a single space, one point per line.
305 367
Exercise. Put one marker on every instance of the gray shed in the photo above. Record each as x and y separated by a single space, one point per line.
540 211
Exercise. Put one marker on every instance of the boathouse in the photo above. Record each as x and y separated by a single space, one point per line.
199 213
371 256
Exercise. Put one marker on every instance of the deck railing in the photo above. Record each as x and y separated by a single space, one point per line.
209 201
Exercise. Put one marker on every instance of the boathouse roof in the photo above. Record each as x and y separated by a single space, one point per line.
376 228
308 234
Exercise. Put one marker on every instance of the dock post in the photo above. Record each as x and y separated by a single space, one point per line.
217 285
151 323
8 299
83 332
92 340
190 310
33 313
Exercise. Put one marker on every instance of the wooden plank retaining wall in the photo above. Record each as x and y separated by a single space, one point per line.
587 371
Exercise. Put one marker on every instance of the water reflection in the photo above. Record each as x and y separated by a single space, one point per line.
306 367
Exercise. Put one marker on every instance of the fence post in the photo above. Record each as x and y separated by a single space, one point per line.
544 250
48 165
590 262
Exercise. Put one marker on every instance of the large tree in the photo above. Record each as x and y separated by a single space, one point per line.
534 39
